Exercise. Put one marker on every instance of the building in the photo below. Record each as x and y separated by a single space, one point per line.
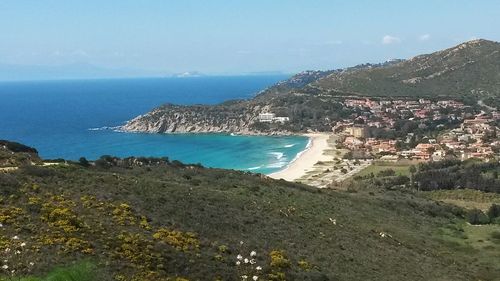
357 131
266 117
281 119
271 117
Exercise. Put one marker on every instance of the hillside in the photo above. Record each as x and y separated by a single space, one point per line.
470 68
155 219
469 72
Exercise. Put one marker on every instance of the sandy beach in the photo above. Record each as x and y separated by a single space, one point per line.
305 162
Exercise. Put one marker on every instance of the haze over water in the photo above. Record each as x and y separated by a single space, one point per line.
62 120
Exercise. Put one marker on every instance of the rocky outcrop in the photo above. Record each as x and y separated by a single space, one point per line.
236 118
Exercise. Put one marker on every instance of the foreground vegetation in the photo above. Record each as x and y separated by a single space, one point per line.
155 219
83 271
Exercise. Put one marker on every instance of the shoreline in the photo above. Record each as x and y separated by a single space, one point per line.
306 159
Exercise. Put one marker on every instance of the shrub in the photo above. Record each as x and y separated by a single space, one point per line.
183 241
386 173
495 220
83 161
279 259
8 184
37 171
477 216
495 235
102 163
493 211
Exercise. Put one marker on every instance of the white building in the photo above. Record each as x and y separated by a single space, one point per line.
281 119
266 117
271 117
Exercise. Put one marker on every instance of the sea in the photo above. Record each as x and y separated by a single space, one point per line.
75 118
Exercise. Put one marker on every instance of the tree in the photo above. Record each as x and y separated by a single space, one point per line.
412 171
493 211
84 162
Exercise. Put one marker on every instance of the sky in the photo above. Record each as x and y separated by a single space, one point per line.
160 37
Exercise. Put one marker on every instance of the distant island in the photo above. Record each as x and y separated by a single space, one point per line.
188 74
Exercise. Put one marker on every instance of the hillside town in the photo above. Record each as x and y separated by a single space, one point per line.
418 129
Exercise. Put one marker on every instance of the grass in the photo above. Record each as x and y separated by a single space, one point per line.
83 271
480 241
465 198
401 169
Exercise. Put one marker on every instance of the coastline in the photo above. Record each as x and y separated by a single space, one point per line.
305 160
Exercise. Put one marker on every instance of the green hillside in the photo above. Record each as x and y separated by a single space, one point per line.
470 68
155 219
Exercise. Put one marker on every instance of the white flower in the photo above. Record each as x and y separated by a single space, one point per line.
258 268
239 257
253 254
244 277
241 242
5 267
18 252
238 263
32 263
246 260
7 250
23 244
255 278
15 237
252 261
1 225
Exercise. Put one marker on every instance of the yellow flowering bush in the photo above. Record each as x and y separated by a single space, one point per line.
135 248
304 265
123 214
63 218
279 259
8 215
184 241
144 223
88 201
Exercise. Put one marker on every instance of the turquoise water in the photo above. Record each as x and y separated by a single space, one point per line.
60 119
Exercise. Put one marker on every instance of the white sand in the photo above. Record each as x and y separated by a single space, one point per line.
306 161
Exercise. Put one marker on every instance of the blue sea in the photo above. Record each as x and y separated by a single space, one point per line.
64 119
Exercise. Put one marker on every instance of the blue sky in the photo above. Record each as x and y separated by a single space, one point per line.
154 37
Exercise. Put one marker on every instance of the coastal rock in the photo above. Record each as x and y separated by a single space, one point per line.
235 119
